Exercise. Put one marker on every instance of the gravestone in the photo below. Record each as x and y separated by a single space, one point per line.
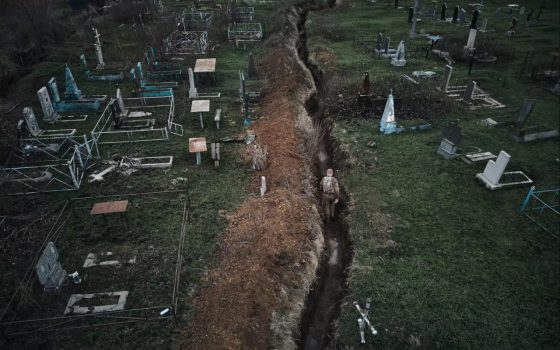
193 93
467 96
388 124
386 44
413 28
364 91
54 90
49 114
523 114
50 273
399 59
462 16
379 42
99 55
451 138
31 122
471 40
443 10
455 14
484 25
474 19
120 102
522 11
453 133
495 169
410 14
446 78
72 92
215 149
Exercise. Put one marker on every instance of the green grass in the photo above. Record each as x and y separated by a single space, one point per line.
466 270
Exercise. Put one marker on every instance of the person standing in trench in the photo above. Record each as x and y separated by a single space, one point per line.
330 192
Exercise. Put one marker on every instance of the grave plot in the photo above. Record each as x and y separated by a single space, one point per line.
105 261
44 160
196 19
180 44
543 208
240 32
240 14
470 94
136 120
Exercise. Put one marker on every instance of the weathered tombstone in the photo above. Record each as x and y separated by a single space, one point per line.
474 19
399 59
379 42
413 28
451 138
54 90
120 102
31 122
50 273
364 91
193 93
410 14
484 25
524 113
49 114
455 14
467 96
462 16
443 10
522 11
99 55
72 92
388 124
446 78
215 149
386 44
471 40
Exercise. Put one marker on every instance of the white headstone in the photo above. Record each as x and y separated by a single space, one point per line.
99 54
494 169
472 38
193 93
120 102
446 78
388 123
31 121
49 114
522 11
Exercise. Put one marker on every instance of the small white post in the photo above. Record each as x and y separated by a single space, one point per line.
263 185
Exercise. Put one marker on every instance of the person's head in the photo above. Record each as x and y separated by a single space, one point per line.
330 172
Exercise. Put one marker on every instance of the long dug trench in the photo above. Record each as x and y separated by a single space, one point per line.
322 307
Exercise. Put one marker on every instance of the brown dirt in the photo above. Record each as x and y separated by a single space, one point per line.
266 246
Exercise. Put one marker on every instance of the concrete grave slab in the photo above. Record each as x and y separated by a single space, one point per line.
73 307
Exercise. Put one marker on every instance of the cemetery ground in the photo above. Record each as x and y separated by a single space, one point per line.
447 263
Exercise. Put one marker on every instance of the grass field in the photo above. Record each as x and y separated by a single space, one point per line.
448 264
